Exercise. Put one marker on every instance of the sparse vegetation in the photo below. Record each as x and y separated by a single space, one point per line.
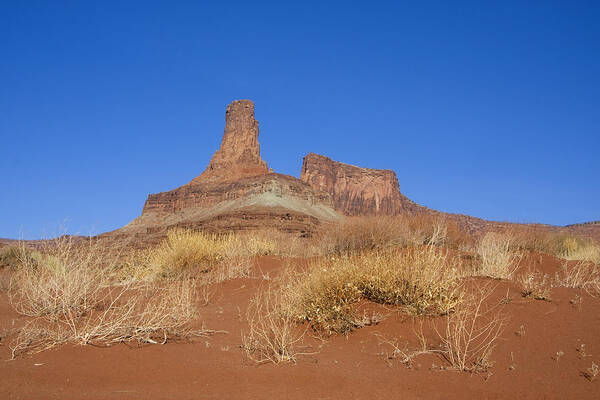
535 285
592 372
574 248
71 294
472 332
273 336
557 244
498 261
358 234
13 255
580 274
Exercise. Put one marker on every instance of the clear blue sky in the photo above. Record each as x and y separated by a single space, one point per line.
485 108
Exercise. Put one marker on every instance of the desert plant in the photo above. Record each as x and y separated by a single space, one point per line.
591 373
404 353
558 244
498 261
472 331
66 278
574 248
580 274
273 335
72 295
186 252
422 280
151 314
13 256
360 234
535 285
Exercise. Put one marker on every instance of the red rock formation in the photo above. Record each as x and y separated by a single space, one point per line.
355 190
235 190
239 154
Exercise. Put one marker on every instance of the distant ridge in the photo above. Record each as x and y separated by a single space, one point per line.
584 223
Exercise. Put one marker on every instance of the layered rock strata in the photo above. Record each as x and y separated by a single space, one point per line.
356 190
236 191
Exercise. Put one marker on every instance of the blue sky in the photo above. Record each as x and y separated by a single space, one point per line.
485 108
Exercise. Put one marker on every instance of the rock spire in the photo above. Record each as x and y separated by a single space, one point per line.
239 154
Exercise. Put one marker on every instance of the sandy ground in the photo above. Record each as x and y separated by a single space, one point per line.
526 365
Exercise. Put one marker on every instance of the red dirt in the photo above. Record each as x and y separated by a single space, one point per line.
351 367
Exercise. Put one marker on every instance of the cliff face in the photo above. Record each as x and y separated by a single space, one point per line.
355 190
274 189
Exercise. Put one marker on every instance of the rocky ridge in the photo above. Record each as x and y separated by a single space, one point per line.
237 191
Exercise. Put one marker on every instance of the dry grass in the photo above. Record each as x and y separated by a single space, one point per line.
558 244
404 353
361 234
186 253
591 373
273 335
13 255
357 234
536 285
580 274
472 331
422 280
65 278
580 249
498 261
71 294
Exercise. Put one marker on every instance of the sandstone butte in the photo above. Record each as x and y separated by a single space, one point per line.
238 191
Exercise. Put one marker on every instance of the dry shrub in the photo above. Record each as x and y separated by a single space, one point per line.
535 284
558 244
498 261
404 353
65 278
356 234
591 373
574 248
531 239
13 255
581 274
150 314
284 244
186 252
422 280
362 233
71 295
472 331
273 335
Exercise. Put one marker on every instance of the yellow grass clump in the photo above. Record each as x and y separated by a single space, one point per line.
422 280
498 260
185 252
580 249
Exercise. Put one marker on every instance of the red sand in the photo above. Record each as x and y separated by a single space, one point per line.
351 367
